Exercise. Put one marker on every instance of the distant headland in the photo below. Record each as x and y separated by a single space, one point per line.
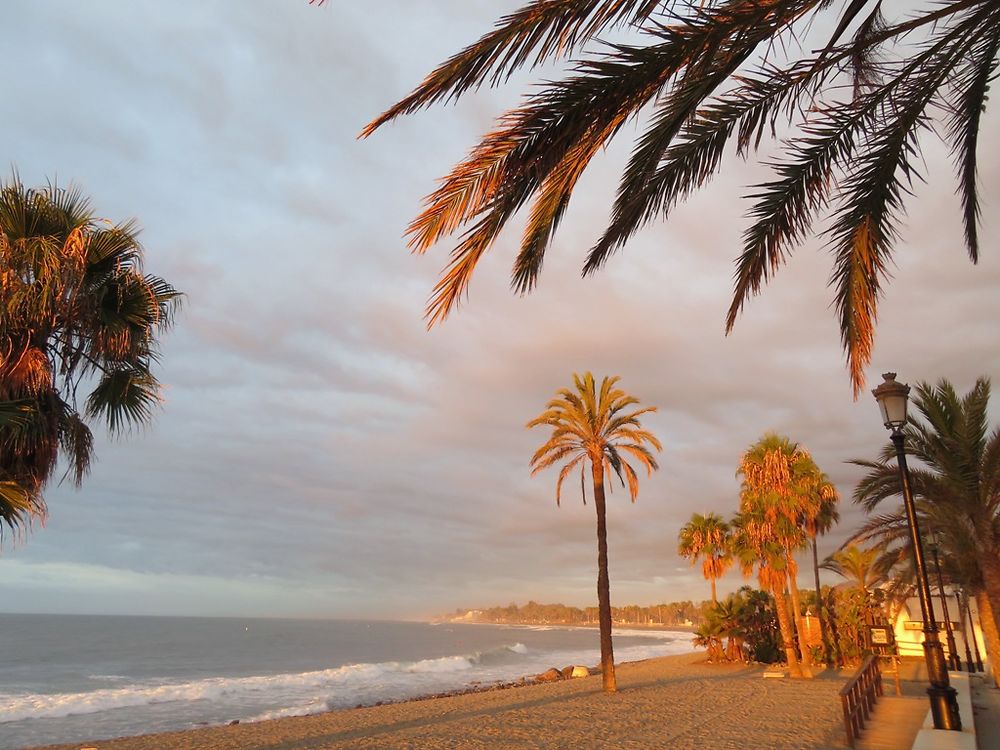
684 614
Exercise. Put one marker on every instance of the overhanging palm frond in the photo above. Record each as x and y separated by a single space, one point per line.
967 105
539 31
713 74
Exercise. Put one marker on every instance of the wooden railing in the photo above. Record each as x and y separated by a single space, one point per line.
858 697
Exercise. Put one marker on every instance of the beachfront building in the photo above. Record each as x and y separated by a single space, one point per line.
908 629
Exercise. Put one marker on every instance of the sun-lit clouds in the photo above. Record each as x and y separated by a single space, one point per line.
320 452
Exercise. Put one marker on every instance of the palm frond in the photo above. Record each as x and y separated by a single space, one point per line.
124 398
539 31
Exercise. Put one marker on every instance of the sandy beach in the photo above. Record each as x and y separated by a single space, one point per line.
673 702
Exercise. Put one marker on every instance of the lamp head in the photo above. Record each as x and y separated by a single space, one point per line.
892 397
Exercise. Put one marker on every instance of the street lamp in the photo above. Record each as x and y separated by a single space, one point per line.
972 631
892 399
953 661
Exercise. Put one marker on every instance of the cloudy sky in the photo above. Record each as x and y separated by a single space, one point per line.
319 453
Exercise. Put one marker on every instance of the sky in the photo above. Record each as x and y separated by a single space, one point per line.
319 453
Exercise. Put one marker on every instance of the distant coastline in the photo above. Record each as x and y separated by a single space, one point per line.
623 626
682 616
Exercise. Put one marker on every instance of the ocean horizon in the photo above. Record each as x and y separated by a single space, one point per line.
68 678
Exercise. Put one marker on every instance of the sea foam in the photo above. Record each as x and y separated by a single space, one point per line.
348 682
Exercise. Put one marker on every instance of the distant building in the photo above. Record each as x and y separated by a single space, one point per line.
909 628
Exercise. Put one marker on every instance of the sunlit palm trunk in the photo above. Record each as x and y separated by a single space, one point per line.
785 625
800 627
989 563
714 598
991 635
603 583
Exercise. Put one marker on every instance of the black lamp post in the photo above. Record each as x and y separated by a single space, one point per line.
953 661
892 400
963 621
972 630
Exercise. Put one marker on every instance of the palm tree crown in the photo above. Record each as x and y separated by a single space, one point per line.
708 75
591 424
77 314
857 565
707 537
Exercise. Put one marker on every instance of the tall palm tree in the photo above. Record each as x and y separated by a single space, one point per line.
783 484
721 71
818 517
596 427
754 545
956 480
77 317
707 537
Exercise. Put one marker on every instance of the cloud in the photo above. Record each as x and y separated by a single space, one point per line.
320 453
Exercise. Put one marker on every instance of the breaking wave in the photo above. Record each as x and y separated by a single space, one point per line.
344 685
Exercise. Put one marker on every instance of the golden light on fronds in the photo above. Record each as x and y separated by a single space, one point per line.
772 474
771 578
29 369
715 566
75 245
463 193
595 424
454 281
859 302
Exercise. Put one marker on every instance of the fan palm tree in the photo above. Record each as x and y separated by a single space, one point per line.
707 537
783 484
77 315
721 71
754 546
709 635
597 427
956 482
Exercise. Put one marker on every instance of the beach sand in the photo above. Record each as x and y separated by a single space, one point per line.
674 702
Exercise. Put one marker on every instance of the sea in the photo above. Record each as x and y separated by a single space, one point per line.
73 678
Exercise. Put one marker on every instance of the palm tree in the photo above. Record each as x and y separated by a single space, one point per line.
708 75
957 482
597 427
782 483
707 537
709 635
857 566
753 545
959 563
76 315
819 516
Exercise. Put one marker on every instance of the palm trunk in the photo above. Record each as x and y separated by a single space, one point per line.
827 650
989 563
800 627
603 583
988 622
714 600
781 605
